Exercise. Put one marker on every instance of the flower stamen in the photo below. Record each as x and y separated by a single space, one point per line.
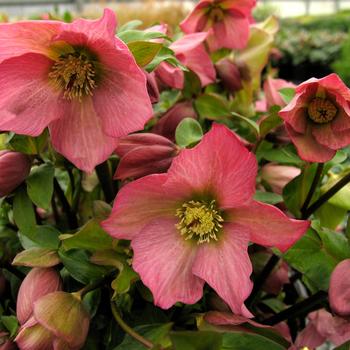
75 74
199 220
322 110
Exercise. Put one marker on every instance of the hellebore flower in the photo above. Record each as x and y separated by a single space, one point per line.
271 90
59 321
318 118
339 289
76 78
152 87
228 19
14 168
229 74
144 154
190 51
167 124
193 224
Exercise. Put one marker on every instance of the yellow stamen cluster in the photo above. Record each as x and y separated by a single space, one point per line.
322 110
75 75
199 220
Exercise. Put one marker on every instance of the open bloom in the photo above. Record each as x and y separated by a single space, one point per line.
318 118
78 79
228 19
190 51
193 224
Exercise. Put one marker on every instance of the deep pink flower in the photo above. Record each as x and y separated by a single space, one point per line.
190 51
193 224
229 74
228 19
78 79
318 118
14 168
339 289
144 154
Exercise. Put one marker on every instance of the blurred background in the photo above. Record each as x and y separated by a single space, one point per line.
313 40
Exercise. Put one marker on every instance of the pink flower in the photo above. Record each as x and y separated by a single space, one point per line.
14 168
339 289
193 224
271 90
228 19
169 121
190 51
318 118
229 74
144 154
76 78
152 87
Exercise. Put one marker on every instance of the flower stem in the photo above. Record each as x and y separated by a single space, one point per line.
314 302
104 176
127 329
90 287
327 195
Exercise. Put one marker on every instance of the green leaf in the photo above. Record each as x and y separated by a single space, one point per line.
342 198
40 185
129 36
246 341
200 340
126 276
165 54
23 212
345 346
287 94
11 324
268 197
271 122
251 123
91 237
282 155
330 215
192 84
144 51
156 333
212 106
37 257
44 236
129 25
26 144
188 132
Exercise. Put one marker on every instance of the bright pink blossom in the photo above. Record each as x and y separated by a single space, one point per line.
190 51
339 289
318 118
228 19
76 78
193 224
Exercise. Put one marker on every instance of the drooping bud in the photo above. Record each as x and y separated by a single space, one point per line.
152 87
38 282
229 74
14 168
144 154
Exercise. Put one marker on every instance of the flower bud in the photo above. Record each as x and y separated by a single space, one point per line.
277 176
144 154
229 74
38 282
339 289
168 123
152 87
14 168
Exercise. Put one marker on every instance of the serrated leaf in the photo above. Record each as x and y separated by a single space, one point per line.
188 132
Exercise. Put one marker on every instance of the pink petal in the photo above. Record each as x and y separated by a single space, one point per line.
192 23
188 42
164 261
308 148
335 84
19 38
342 121
224 319
170 75
329 138
339 289
271 90
27 102
244 6
138 203
79 135
226 267
219 165
268 226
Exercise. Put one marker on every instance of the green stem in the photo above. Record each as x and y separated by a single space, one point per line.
90 287
329 194
127 329
105 178
313 187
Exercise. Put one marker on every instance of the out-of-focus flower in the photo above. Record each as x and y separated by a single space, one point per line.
190 51
6 343
277 176
59 321
194 223
14 168
78 79
228 20
167 124
339 289
152 87
144 154
271 90
229 74
318 118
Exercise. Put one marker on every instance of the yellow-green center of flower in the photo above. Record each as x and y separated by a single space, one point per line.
75 74
216 13
322 110
199 221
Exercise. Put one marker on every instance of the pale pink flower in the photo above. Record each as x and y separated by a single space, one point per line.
193 224
76 78
272 94
318 118
190 51
228 19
